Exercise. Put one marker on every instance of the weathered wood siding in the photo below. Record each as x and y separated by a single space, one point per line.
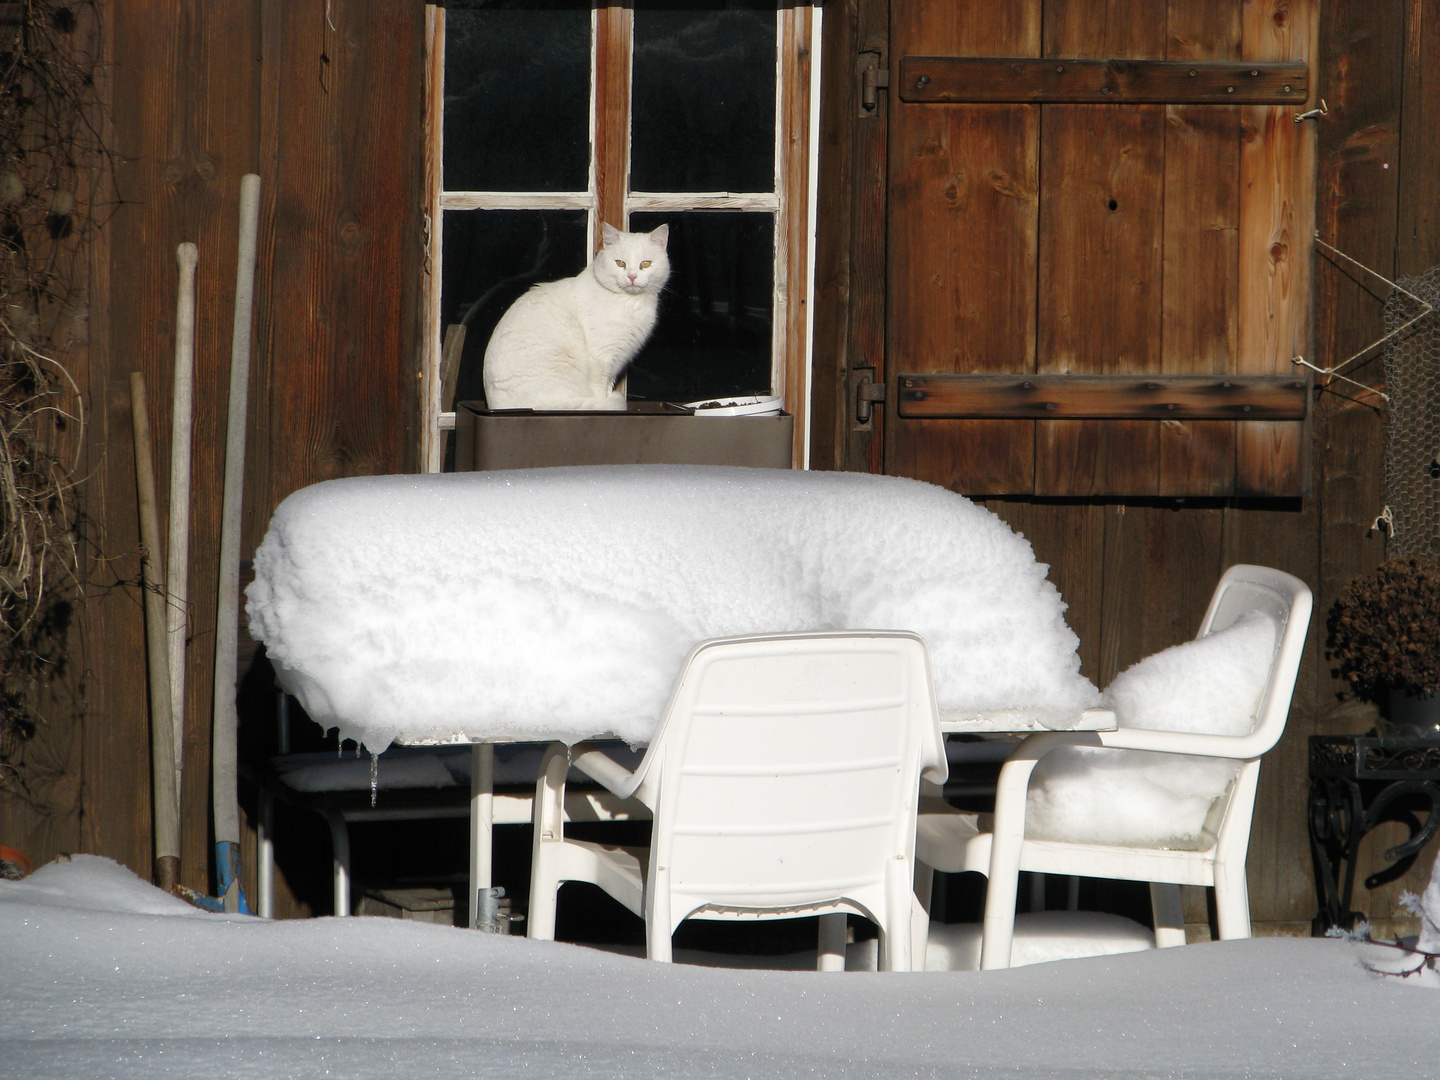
1138 572
324 102
328 111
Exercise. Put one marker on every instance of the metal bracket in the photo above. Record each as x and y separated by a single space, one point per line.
488 919
868 393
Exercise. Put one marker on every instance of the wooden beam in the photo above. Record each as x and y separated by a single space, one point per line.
1112 81
1100 397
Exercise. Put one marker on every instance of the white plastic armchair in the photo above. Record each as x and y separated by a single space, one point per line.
951 841
782 782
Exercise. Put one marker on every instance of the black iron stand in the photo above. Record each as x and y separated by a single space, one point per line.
1357 782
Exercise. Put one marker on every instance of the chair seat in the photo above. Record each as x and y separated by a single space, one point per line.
950 840
1173 866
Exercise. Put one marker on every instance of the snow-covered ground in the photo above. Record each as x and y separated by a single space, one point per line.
102 975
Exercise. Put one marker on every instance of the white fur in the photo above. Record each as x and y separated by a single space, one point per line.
564 344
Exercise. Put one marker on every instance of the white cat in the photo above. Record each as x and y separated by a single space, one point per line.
564 344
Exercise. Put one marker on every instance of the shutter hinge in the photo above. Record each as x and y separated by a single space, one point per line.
868 394
873 79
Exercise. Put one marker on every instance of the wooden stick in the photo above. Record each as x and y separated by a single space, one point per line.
162 746
225 721
178 566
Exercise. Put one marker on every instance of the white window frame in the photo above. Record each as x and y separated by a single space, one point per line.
797 106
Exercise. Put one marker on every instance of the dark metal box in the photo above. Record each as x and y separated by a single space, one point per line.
648 433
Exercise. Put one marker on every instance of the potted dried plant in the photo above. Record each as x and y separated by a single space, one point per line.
1384 634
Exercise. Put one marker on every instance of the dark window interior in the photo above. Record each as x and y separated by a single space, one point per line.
517 96
703 94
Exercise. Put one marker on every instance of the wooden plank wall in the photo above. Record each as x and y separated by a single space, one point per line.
324 102
1137 573
327 109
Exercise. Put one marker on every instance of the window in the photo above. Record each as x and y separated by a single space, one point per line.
547 118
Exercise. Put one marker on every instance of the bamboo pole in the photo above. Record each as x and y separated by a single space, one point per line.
181 429
162 746
225 721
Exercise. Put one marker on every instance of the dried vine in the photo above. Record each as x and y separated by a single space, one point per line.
50 173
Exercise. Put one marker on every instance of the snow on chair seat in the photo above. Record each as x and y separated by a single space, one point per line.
1168 797
560 603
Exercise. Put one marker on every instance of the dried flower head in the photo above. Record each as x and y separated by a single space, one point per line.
1384 630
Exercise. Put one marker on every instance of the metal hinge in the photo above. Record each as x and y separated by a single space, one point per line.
873 79
868 393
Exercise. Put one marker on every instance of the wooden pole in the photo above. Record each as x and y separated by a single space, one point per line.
225 721
181 428
162 731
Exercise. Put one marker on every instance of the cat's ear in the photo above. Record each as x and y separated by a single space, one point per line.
661 235
609 234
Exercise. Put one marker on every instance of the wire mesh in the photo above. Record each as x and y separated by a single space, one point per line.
1412 441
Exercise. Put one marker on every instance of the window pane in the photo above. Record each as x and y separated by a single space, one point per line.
703 99
517 95
491 257
713 336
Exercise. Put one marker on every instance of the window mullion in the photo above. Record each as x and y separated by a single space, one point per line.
431 444
781 281
614 37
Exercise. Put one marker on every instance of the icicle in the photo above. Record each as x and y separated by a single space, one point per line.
374 777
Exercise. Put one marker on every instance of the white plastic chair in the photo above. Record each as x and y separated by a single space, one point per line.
951 841
782 781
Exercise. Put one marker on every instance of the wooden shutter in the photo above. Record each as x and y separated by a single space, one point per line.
1113 225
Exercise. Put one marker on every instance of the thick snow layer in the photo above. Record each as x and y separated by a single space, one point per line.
560 603
95 989
1211 686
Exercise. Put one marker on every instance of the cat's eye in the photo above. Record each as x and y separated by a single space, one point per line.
645 265
620 263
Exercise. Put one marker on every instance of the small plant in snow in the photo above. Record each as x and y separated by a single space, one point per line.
1421 956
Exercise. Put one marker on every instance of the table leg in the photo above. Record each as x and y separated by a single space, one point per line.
482 826
1339 820
1336 826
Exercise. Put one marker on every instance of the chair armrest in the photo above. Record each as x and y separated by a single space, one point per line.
605 770
1236 747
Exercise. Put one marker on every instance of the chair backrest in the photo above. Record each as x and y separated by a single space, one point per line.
1244 589
789 767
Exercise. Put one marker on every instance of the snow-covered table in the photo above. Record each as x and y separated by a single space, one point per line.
558 604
